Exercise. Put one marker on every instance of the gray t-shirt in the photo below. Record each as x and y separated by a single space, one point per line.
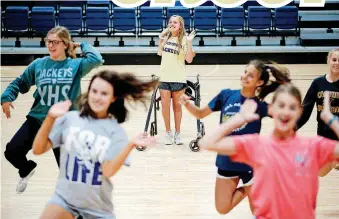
85 143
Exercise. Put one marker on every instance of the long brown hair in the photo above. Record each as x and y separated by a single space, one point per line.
126 87
63 33
281 76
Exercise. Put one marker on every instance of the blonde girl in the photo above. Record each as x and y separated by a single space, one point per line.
175 47
315 95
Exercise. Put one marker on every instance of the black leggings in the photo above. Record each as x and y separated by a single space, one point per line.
21 144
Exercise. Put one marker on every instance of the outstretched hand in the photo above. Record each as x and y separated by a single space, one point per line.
59 109
191 36
184 99
247 110
6 108
142 140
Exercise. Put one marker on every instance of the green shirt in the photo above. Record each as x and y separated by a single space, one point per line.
55 80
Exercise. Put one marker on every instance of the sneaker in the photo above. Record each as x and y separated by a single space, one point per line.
177 139
168 138
22 185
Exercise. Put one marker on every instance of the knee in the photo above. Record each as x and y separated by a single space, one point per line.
177 107
222 208
9 152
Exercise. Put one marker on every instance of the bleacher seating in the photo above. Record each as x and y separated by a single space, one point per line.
103 18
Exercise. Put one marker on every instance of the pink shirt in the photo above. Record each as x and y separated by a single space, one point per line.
285 173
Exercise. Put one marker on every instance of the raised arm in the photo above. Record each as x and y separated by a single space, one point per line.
42 142
190 53
216 141
117 155
163 37
92 58
308 104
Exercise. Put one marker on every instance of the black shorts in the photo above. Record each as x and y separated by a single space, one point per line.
246 177
172 86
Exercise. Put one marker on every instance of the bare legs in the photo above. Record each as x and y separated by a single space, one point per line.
227 196
166 105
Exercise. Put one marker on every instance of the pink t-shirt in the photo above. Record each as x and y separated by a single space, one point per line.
285 173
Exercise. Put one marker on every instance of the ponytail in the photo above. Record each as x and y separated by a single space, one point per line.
280 74
70 51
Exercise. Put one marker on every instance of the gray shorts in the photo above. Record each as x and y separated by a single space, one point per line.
172 86
77 213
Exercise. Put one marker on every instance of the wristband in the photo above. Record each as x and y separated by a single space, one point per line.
332 120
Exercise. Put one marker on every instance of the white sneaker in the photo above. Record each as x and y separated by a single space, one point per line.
168 138
177 139
22 185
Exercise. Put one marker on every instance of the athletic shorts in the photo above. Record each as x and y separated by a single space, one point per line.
172 86
76 213
246 177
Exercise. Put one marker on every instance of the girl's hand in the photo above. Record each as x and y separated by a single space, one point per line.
191 36
184 99
6 108
59 109
164 33
76 44
247 110
326 114
143 140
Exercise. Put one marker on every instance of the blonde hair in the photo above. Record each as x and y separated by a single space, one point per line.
330 53
63 33
182 32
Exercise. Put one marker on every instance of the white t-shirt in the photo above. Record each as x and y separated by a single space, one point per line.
172 68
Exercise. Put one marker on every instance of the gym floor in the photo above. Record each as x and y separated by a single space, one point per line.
164 181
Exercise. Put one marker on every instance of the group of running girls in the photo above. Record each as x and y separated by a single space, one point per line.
90 146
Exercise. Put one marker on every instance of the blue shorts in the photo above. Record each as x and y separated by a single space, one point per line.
75 212
246 177
172 86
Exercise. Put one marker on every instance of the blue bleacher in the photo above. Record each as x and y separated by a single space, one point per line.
259 22
71 17
183 12
42 19
205 22
103 18
16 19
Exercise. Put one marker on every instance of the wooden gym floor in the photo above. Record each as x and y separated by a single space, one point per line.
167 182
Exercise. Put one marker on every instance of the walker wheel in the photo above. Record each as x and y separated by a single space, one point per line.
194 146
140 148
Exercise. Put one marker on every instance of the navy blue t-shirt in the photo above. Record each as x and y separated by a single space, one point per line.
229 103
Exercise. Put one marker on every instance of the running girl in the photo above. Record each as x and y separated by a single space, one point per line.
57 78
256 85
93 145
285 164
